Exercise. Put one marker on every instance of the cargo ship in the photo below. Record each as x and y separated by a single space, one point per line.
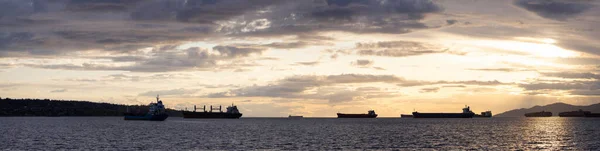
232 113
467 113
578 113
370 114
592 114
539 114
406 116
484 114
295 117
156 112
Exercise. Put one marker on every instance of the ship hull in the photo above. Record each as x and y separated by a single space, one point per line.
341 115
443 115
211 115
574 114
482 116
592 115
406 116
146 117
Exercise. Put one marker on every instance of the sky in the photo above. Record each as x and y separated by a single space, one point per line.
277 58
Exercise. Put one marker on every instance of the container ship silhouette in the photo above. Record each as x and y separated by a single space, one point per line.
578 113
467 113
232 112
539 114
370 114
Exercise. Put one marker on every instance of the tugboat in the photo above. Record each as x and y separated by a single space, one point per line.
156 112
370 114
539 114
467 113
232 112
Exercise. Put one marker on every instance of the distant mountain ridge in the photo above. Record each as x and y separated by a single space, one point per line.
555 108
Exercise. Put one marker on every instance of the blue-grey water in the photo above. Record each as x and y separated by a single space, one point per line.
113 133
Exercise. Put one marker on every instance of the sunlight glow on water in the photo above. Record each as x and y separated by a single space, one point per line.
112 133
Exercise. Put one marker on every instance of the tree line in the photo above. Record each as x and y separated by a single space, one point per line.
47 107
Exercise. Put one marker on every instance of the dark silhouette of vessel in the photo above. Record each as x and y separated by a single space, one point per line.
467 113
592 114
232 112
578 113
406 115
156 112
539 114
370 114
484 114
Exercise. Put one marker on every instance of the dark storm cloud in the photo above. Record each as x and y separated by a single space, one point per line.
60 28
555 9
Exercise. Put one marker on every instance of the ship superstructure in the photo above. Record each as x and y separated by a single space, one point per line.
156 112
214 112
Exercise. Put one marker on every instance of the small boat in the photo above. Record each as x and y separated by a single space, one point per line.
156 112
295 117
370 114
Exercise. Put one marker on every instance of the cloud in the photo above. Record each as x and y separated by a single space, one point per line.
430 90
397 49
316 87
178 92
572 75
501 69
560 10
331 87
311 63
362 63
163 60
59 91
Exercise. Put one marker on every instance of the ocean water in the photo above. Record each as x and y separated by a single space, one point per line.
113 133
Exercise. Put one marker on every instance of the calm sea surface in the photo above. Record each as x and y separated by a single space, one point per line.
113 133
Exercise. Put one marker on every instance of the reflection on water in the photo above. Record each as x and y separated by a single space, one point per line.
113 133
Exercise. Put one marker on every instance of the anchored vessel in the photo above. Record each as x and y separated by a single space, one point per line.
155 113
370 114
578 113
295 117
539 114
467 113
232 112
406 116
484 114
